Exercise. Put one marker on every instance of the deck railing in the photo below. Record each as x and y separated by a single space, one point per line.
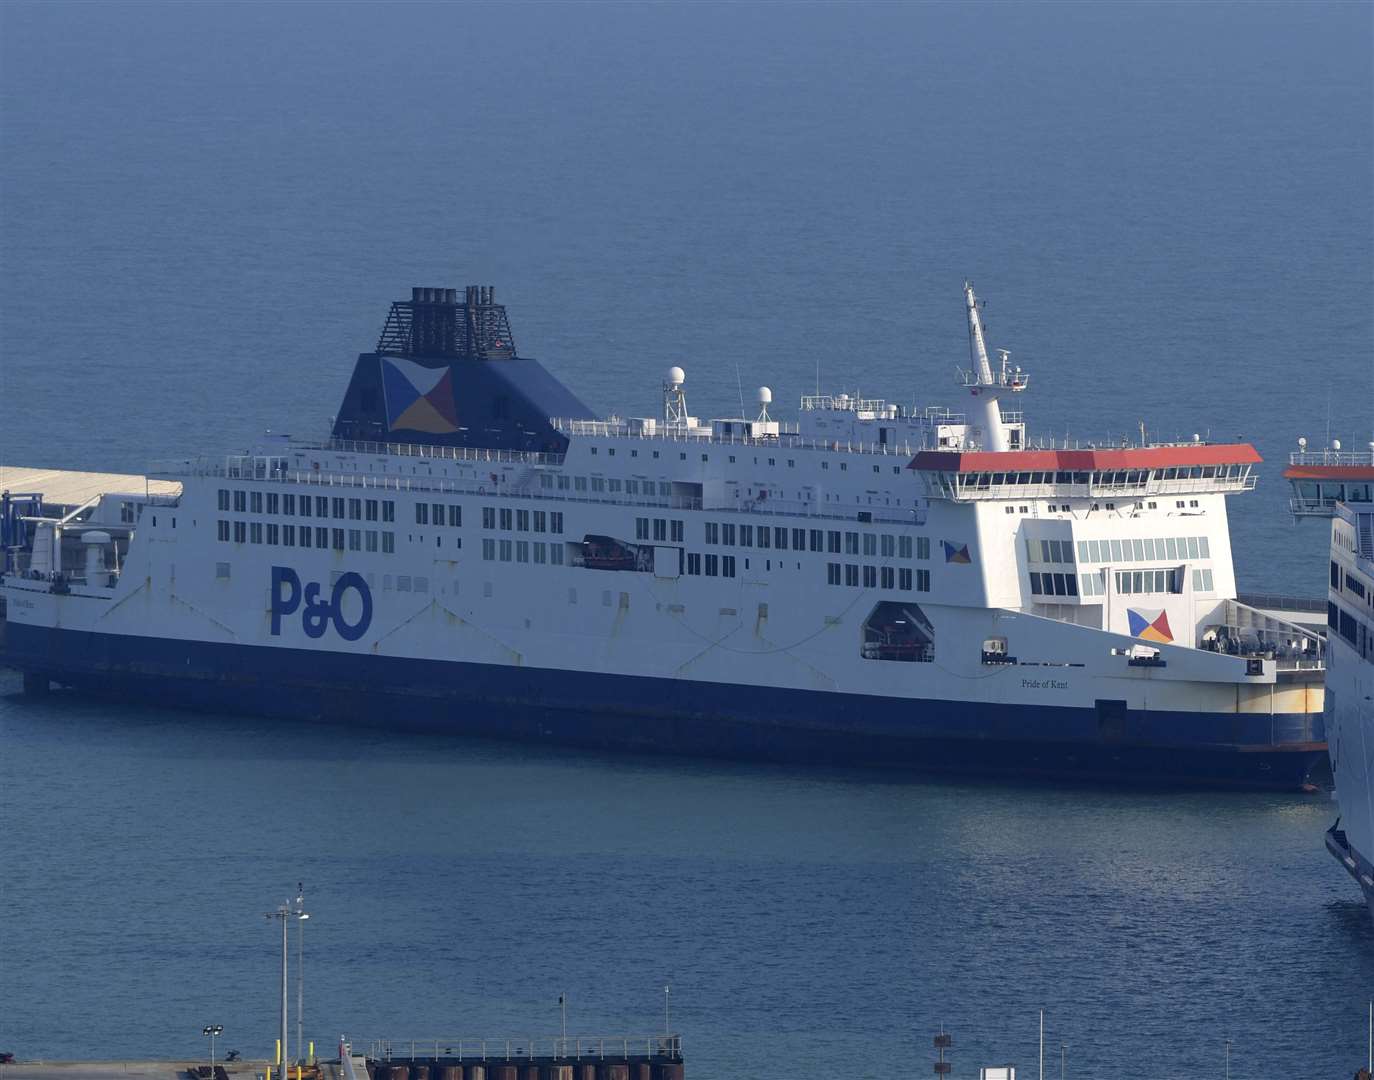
526 1047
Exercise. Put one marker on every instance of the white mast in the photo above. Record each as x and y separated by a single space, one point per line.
984 414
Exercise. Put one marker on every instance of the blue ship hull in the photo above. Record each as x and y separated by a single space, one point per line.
602 711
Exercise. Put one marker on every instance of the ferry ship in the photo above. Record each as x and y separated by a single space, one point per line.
472 550
1339 484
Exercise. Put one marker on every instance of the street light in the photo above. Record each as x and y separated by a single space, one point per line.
212 1030
283 913
300 916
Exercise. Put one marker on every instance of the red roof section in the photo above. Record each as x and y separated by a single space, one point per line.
1149 457
1329 472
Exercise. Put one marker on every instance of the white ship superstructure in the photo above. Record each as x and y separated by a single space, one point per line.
1339 484
473 550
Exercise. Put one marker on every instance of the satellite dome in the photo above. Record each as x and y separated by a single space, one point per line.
676 376
765 395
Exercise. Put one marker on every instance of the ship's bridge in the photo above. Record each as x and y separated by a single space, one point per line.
1322 478
1174 469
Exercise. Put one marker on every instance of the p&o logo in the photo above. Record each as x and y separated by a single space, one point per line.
317 615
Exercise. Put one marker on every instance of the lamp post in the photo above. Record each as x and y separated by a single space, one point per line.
300 916
283 913
212 1030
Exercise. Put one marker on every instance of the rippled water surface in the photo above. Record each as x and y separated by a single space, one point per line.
204 211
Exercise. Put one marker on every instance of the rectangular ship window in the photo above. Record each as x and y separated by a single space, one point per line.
255 532
222 529
904 578
488 517
832 573
224 498
388 543
870 577
222 570
355 509
923 581
273 500
388 510
255 502
851 574
522 520
288 504
488 549
555 521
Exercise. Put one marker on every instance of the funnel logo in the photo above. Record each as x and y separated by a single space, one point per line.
1149 625
956 553
418 398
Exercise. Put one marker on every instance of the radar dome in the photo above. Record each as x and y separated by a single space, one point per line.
1302 441
1335 444
765 395
676 376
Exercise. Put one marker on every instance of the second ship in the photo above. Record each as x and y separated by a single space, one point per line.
473 550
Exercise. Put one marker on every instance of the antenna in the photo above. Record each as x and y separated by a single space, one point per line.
739 385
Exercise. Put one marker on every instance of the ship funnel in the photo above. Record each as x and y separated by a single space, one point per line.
434 323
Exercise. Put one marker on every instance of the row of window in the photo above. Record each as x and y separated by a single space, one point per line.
728 534
1359 634
1108 478
875 577
710 565
791 462
509 520
522 551
1150 549
424 511
289 535
1048 584
663 488
1135 582
1128 582
662 528
1353 585
288 504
